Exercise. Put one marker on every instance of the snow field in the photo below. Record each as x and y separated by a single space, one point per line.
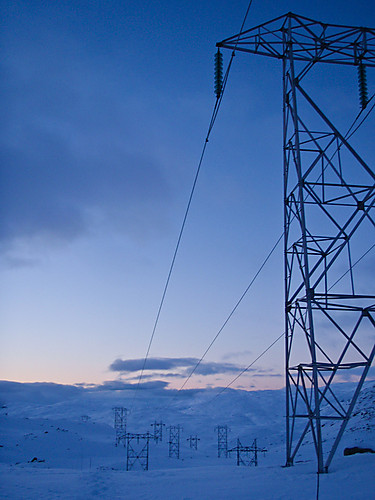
78 460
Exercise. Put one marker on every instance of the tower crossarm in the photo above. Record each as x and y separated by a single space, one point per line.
311 41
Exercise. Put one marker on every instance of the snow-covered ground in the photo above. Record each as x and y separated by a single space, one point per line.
47 450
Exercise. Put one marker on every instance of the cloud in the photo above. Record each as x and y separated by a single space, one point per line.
173 369
119 385
237 354
213 368
53 192
354 374
74 155
133 365
181 366
159 374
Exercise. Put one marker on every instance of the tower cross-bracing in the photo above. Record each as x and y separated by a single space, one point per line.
329 224
120 423
222 440
158 431
174 440
136 453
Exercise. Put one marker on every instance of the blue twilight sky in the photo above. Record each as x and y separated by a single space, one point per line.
106 107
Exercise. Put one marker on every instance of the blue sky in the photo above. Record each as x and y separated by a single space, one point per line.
107 106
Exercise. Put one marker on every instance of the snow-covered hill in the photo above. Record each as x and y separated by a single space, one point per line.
49 451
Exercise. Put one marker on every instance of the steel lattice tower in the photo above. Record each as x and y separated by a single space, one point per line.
222 440
329 222
135 453
158 431
247 455
120 423
193 442
174 440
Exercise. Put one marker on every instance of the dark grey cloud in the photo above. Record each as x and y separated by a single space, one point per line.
132 365
182 365
74 153
60 197
119 385
158 374
211 368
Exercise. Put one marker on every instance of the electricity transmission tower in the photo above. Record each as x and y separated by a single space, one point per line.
174 440
134 452
120 423
247 455
222 440
329 223
193 441
158 431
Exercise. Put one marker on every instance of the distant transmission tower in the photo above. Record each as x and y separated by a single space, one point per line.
329 221
158 431
120 414
247 455
222 440
193 441
135 453
174 440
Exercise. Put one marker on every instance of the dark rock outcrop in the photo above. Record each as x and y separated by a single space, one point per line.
357 449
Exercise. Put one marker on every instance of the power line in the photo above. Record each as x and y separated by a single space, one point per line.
267 348
258 272
351 267
232 312
249 366
212 122
213 118
280 336
269 255
323 152
348 134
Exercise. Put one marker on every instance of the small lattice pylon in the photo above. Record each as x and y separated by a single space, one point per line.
135 453
120 424
247 455
174 440
193 441
158 431
222 440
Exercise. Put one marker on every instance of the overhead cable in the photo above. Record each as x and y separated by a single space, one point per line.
231 313
348 134
282 335
212 121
